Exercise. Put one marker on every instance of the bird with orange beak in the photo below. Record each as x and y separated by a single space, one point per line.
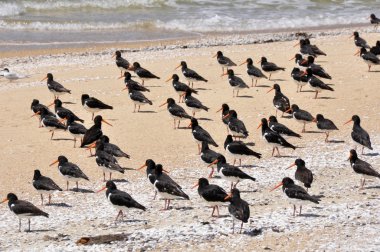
190 74
362 168
280 101
176 112
235 82
54 87
180 87
95 132
302 174
253 72
238 208
224 61
121 63
301 116
358 134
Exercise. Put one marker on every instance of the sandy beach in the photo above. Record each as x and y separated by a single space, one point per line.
347 219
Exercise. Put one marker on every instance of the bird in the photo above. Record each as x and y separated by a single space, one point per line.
107 162
93 105
280 101
69 171
176 111
37 106
362 167
55 87
376 49
193 103
316 69
369 58
76 130
273 138
238 208
235 82
235 126
270 67
224 61
208 156
62 113
302 174
131 84
225 111
190 74
280 128
121 200
314 48
229 172
121 63
238 149
298 77
253 72
359 42
295 193
316 84
200 135
49 122
23 209
11 76
95 132
358 134
166 189
110 148
213 195
138 99
44 185
142 73
180 87
305 48
325 125
301 116
374 20
300 61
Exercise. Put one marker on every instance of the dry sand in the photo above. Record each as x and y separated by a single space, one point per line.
346 219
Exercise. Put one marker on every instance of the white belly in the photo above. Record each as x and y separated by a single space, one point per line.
92 110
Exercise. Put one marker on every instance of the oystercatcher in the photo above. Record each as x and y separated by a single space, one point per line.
200 135
44 185
253 72
106 161
36 106
110 148
238 208
93 105
270 67
317 69
376 49
131 84
325 125
302 174
138 99
374 20
142 73
54 87
193 103
280 128
235 82
225 111
238 149
359 42
301 116
208 156
235 126
370 58
50 122
280 101
95 132
121 63
298 77
180 87
362 167
316 84
223 61
62 113
190 74
358 134
176 111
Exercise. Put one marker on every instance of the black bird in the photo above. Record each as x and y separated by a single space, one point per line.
133 85
167 189
315 48
273 138
238 149
44 185
374 20
236 126
193 103
54 87
110 148
176 111
63 113
121 200
138 99
190 74
359 42
238 208
316 84
301 116
225 111
208 156
224 61
214 195
106 161
200 135
270 67
180 87
302 174
253 72
295 193
121 63
317 69
76 130
299 60
23 209
93 105
142 73
298 77
376 49
305 48
49 122
69 171
325 125
369 58
37 106
280 101
235 82
95 132
280 128
358 134
229 172
362 167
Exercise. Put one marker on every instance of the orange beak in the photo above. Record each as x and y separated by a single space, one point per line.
294 164
297 44
4 200
120 77
106 122
303 74
348 122
277 186
196 184
215 55
56 161
229 196
351 36
261 124
245 62
219 110
223 74
270 89
357 53
44 78
189 125
35 114
169 79
144 165
163 104
91 146
51 104
166 171
113 56
292 58
124 88
178 67
259 61
289 110
103 188
213 162
304 61
228 115
315 120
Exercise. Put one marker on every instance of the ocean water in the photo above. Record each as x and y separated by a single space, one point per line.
44 23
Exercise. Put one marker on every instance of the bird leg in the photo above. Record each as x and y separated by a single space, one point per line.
233 93
117 217
178 124
294 210
300 89
212 172
276 113
363 184
362 150
300 209
236 184
52 134
241 227
193 114
270 76
278 152
199 149
234 161
327 136
28 225
42 200
239 161
142 82
213 210
217 209
369 68
104 177
75 141
77 186
110 175
92 118
138 110
233 225
251 82
237 93
273 151
49 202
168 204
155 194
255 83
134 109
316 94
19 225
303 129
67 185
232 185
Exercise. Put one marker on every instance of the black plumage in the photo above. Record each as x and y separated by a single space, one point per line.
225 111
121 63
106 161
235 82
359 42
36 106
325 125
376 49
142 73
92 105
369 58
301 115
133 85
190 74
180 87
50 122
224 61
176 111
314 48
76 130
238 208
201 135
95 132
112 149
212 194
208 156
374 20
305 48
54 87
253 72
302 174
362 167
138 99
317 69
238 149
64 113
316 84
270 67
280 101
236 126
193 103
44 185
298 77
359 135
280 128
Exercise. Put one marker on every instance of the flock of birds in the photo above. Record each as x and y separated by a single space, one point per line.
274 133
